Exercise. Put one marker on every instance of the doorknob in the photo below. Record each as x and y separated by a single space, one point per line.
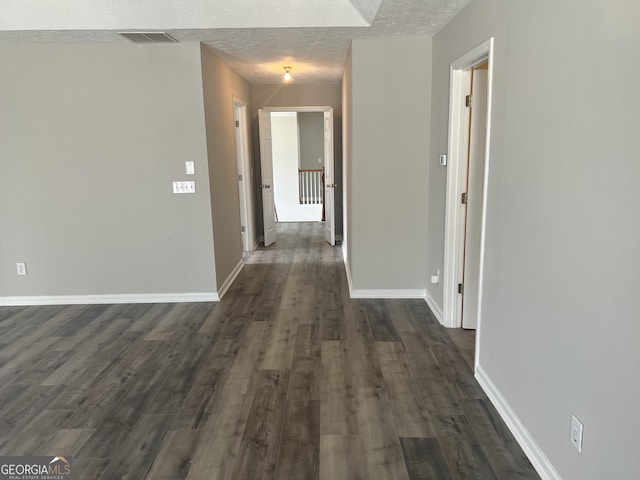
332 185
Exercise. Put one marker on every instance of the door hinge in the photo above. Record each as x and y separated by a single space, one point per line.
240 177
242 229
463 198
461 288
237 123
467 100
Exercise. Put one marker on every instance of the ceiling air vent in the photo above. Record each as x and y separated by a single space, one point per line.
149 37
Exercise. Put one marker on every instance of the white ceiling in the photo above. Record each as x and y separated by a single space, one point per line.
255 37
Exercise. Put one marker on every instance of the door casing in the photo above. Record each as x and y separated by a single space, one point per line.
460 86
245 172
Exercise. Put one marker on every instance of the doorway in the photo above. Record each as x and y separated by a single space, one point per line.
267 184
298 166
467 174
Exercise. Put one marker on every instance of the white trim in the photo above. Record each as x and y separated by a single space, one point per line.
347 269
485 188
377 293
298 109
387 293
530 447
232 276
453 235
105 299
243 162
437 312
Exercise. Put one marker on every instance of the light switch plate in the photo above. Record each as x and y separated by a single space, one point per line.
21 267
190 168
184 187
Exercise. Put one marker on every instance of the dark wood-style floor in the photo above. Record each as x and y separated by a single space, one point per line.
285 378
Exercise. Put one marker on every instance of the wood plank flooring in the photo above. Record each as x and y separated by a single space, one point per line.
285 378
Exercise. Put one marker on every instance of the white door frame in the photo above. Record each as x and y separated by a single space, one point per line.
456 180
245 178
312 109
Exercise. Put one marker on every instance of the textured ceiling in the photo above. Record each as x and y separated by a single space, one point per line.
257 40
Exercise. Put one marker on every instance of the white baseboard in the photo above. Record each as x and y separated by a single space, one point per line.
377 293
232 276
531 449
20 301
387 293
437 312
348 270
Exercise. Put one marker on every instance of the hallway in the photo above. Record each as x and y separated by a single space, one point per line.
285 378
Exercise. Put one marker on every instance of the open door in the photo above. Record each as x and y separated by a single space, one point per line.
266 185
475 176
329 181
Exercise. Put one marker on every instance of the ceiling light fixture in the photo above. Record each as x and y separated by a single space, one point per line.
287 73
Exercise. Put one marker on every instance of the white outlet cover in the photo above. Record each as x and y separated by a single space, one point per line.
576 433
21 267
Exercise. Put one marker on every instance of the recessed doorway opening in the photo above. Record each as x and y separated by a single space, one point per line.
467 178
303 188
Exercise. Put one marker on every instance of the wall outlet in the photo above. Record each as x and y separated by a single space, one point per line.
576 433
435 279
22 268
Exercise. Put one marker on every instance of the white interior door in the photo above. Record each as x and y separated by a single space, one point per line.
477 142
266 162
329 180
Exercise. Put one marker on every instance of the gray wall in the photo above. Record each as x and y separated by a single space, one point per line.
391 99
221 84
311 133
301 95
560 330
91 137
